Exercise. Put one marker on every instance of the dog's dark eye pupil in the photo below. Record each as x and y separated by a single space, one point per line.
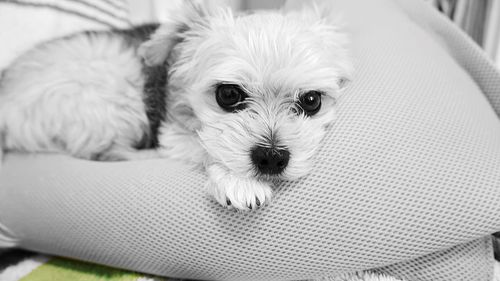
310 102
229 97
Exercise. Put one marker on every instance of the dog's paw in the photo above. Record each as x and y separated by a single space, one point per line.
243 194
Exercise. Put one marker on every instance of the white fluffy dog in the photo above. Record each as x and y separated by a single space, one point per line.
247 96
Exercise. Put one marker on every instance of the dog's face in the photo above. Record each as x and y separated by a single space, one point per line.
259 89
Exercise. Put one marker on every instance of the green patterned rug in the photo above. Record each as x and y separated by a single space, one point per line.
32 267
44 268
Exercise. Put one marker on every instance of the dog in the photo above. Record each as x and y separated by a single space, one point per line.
247 97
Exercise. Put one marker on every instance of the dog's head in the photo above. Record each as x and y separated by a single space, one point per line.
259 89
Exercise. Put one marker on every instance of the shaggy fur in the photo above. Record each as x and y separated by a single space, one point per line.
85 94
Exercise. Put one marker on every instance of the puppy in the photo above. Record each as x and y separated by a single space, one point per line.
248 97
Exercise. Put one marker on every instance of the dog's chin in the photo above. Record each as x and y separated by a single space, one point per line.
269 178
284 176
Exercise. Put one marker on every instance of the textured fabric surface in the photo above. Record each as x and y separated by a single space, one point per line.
469 261
407 180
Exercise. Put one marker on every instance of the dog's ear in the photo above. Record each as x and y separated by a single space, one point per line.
325 18
336 35
157 49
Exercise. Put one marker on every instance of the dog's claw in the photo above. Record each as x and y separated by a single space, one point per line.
257 202
240 194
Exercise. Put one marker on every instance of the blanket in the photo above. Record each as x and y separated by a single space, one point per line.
25 23
47 268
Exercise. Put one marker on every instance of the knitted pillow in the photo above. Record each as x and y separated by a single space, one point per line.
409 173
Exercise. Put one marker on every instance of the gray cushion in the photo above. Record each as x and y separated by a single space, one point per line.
408 179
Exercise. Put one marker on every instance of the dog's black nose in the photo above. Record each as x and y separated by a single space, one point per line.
270 161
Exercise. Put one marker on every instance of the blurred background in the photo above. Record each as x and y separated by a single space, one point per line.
479 18
24 23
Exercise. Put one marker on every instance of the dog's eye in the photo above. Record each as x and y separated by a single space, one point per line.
310 102
230 97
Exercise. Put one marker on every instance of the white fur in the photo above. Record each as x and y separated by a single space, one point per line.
230 190
79 95
82 95
496 271
275 57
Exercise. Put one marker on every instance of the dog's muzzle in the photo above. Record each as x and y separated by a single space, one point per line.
270 161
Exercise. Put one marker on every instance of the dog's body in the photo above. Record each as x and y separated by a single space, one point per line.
248 97
84 94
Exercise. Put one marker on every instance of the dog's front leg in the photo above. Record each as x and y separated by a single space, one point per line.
236 192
